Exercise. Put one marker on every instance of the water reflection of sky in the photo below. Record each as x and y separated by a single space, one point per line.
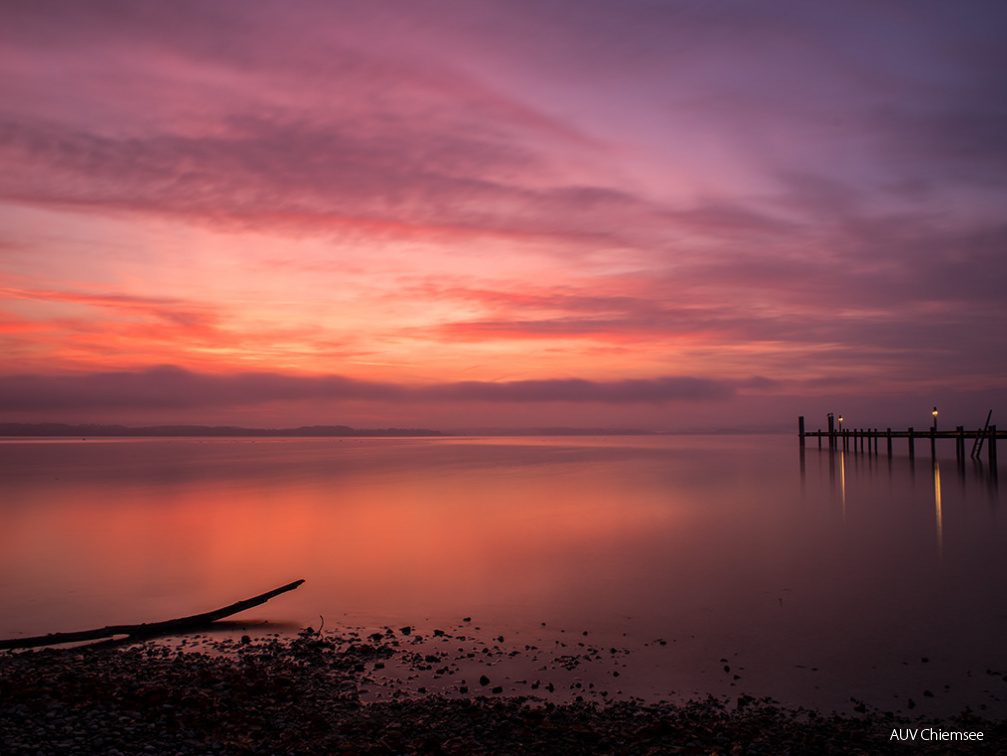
821 576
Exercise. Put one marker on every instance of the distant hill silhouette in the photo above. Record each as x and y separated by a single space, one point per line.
558 431
83 431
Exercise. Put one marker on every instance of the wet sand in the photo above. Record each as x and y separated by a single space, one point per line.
389 693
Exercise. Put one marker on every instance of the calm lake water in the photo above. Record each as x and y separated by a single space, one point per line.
812 581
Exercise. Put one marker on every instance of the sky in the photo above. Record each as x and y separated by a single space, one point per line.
656 214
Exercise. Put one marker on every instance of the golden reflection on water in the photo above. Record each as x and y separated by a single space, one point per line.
419 539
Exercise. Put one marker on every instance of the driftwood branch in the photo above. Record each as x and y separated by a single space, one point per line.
146 630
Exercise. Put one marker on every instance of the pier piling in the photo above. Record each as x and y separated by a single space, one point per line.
867 440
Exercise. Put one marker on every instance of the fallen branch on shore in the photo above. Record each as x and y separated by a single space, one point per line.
146 630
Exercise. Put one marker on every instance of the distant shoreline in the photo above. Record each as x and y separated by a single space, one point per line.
99 430
61 430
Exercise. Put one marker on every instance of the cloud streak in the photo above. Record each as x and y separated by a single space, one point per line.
169 387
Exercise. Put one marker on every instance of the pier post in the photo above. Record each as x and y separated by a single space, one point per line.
959 442
800 429
912 444
889 435
991 448
832 431
933 441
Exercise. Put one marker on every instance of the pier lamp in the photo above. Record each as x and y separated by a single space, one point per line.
840 422
935 418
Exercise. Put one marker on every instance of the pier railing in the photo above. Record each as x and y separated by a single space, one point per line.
868 439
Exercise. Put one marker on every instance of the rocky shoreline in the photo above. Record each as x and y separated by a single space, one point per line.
305 696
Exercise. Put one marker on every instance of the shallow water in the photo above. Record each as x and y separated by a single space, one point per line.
812 580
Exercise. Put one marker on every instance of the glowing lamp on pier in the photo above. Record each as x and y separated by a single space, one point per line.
935 418
840 422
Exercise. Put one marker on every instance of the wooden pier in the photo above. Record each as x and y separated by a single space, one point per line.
868 439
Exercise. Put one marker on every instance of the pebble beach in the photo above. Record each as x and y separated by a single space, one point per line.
314 693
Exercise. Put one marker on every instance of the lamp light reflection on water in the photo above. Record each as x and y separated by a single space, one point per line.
937 507
842 481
